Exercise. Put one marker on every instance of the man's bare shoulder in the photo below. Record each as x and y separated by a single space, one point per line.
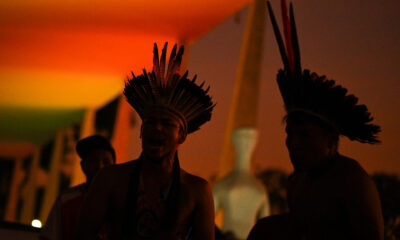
193 180
353 176
196 186
350 168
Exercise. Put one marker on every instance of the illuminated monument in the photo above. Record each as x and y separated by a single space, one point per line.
238 195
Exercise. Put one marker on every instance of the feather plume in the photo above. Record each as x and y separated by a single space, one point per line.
310 93
170 90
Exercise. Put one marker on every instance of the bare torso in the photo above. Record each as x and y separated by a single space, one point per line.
335 201
193 214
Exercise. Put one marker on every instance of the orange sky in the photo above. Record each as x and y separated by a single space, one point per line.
78 42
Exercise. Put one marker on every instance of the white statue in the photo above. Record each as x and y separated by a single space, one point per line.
239 194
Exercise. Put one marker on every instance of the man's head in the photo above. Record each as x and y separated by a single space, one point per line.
319 97
162 132
95 152
165 87
310 140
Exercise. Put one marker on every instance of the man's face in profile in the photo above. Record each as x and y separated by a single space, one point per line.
161 133
94 161
307 143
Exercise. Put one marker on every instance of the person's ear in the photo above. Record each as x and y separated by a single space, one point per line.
182 136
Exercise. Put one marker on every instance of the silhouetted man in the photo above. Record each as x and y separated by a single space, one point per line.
95 153
152 197
330 196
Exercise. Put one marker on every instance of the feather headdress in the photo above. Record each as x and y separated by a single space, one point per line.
316 95
165 87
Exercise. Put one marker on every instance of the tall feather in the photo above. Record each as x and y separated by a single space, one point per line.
295 44
287 34
156 63
178 61
162 64
171 62
278 38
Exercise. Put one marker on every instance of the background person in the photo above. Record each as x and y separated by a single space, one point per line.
95 152
330 196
